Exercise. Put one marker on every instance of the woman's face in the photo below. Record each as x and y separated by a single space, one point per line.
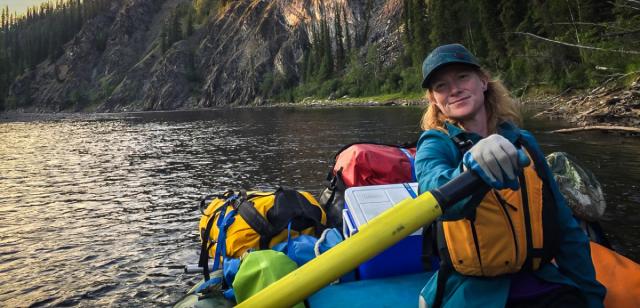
458 91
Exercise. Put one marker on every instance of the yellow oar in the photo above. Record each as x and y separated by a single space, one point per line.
372 238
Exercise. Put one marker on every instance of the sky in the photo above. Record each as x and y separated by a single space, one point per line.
19 6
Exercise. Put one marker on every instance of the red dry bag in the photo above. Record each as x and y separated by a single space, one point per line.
366 164
363 164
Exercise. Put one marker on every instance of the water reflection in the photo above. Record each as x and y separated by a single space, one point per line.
99 209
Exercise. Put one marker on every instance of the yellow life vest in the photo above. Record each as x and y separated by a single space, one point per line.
258 220
508 231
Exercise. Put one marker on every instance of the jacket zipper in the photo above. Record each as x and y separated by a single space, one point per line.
504 204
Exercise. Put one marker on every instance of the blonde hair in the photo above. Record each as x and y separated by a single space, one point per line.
499 104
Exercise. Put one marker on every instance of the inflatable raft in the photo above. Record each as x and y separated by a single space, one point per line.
311 284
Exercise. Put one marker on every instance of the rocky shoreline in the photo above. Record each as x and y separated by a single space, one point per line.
606 105
603 107
314 102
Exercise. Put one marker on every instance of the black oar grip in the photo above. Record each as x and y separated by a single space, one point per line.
459 188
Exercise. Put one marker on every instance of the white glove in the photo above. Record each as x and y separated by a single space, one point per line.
495 160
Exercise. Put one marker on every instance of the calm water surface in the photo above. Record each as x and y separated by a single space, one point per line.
101 210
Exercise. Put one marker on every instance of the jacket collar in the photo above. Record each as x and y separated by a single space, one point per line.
452 129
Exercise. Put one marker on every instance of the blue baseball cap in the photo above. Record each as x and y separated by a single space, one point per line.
443 55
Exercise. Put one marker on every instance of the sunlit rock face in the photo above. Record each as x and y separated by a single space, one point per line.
223 62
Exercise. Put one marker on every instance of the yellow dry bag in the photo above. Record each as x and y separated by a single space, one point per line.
237 222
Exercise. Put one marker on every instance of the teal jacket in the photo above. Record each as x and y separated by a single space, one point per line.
438 160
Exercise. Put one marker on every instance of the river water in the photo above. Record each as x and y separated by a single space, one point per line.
101 210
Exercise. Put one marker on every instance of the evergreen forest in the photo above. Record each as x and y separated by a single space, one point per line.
28 39
533 45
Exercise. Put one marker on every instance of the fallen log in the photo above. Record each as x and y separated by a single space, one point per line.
627 129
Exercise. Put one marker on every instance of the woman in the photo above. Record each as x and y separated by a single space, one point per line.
516 245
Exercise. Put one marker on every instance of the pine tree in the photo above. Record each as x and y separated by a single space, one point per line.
372 70
306 66
347 33
446 25
416 30
493 33
340 55
361 38
39 34
326 63
3 19
316 52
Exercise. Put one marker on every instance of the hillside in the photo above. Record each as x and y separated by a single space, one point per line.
184 54
223 62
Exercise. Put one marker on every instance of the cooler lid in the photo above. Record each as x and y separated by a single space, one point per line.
366 202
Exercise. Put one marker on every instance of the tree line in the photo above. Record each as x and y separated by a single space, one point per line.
39 34
537 45
530 44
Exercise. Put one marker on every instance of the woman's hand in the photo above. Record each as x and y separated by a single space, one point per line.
496 161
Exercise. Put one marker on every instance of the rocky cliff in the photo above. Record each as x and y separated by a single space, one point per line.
115 63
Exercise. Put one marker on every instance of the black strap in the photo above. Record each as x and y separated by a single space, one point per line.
475 200
446 267
292 206
206 200
289 205
463 143
443 275
600 237
537 161
248 212
204 249
334 182
429 246
528 263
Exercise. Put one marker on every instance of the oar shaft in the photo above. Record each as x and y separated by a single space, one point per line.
380 233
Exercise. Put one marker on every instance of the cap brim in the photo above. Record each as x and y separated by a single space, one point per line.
425 80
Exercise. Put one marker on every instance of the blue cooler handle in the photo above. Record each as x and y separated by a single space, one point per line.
410 190
412 162
348 229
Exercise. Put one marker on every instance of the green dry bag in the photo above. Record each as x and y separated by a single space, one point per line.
260 269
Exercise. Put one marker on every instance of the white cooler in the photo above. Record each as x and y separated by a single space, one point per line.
366 202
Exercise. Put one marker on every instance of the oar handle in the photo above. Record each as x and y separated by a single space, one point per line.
465 185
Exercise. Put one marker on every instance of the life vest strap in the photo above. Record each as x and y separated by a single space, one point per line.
441 281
